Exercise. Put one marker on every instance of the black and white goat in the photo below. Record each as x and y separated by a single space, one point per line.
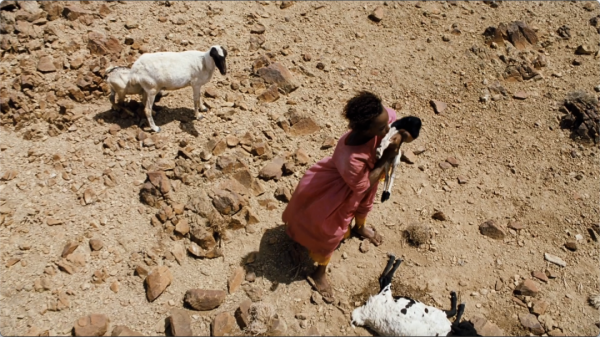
175 70
402 316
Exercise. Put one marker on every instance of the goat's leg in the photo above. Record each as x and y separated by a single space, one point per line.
450 313
460 312
148 110
198 106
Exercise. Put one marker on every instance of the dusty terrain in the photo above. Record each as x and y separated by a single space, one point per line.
73 169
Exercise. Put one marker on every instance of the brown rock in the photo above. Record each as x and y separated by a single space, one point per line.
114 287
98 44
74 12
377 14
260 148
89 196
179 323
69 248
272 170
235 280
462 180
571 245
558 332
328 143
227 202
242 314
283 193
223 324
439 216
445 165
286 4
157 281
122 330
584 50
490 229
92 325
521 95
202 237
519 302
204 300
254 293
46 64
289 168
9 175
305 126
438 106
141 271
540 275
408 157
551 274
182 227
499 285
269 95
232 141
277 74
211 92
530 322
258 29
364 246
515 225
96 244
278 327
527 288
452 161
302 157
485 327
539 307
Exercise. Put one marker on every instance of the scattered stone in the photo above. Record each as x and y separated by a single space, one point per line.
517 32
577 62
227 202
69 248
114 287
242 314
530 322
302 157
269 95
462 180
408 157
96 244
485 327
445 165
364 246
258 29
571 245
515 225
377 14
182 227
92 325
223 324
499 285
492 230
179 323
254 293
272 170
551 274
46 64
582 110
283 193
235 280
286 4
204 300
539 307
521 95
251 276
439 216
555 259
9 175
540 275
527 288
157 281
558 332
584 50
328 143
122 331
438 106
277 74
452 161
99 45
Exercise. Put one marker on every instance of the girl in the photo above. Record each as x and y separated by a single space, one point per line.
342 187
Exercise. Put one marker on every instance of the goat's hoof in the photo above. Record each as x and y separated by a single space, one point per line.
156 130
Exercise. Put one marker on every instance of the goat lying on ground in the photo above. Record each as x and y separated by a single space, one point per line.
403 316
117 79
175 70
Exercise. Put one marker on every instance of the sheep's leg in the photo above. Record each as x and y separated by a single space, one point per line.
148 111
387 279
198 106
461 310
386 270
450 313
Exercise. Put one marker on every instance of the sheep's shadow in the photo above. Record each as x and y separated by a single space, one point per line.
162 117
275 260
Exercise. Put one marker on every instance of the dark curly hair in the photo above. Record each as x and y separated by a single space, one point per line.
362 109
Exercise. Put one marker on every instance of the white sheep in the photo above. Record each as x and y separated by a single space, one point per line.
406 317
117 79
175 70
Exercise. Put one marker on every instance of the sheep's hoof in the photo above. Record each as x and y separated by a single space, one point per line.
203 109
157 129
199 117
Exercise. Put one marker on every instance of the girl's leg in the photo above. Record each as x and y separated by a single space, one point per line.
319 277
367 232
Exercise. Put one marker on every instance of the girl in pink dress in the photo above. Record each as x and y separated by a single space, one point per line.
340 188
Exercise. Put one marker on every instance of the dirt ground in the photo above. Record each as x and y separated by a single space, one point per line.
515 163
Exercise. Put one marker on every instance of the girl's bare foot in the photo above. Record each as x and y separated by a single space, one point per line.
370 234
319 281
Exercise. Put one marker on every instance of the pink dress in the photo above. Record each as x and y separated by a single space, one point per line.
331 193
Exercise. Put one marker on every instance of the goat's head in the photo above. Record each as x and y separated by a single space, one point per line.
357 317
219 54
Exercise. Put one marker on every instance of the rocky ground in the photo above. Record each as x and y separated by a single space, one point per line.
106 227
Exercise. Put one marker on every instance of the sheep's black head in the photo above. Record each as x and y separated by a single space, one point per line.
219 54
